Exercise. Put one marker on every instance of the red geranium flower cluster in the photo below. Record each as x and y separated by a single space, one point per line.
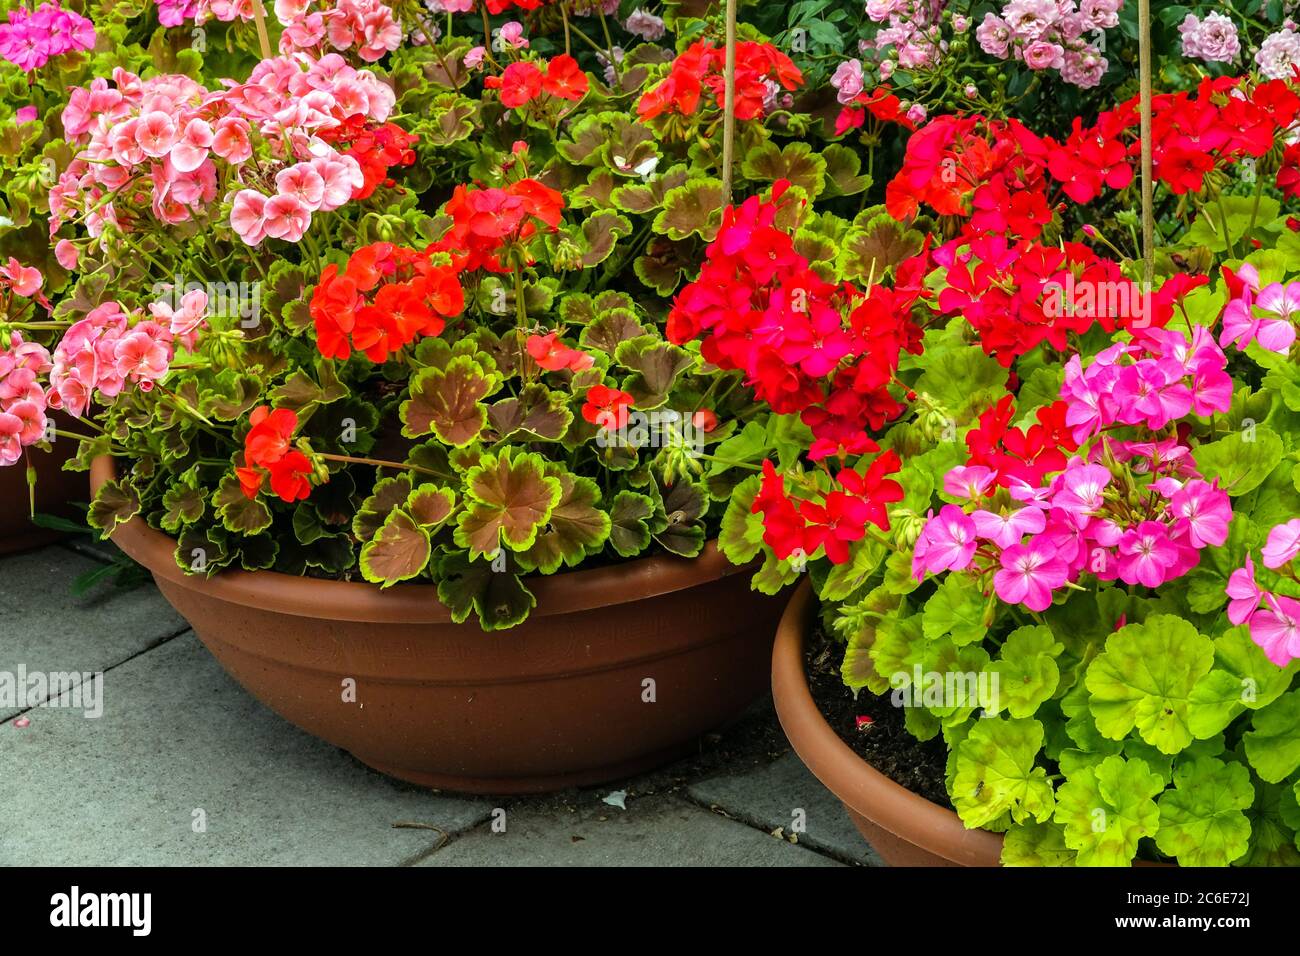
269 453
385 297
522 82
880 103
827 351
484 220
1017 455
701 65
501 6
800 526
376 147
1222 122
607 407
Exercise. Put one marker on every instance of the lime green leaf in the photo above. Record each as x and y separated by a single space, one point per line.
1027 670
1273 742
796 162
1242 460
1107 809
1145 679
859 669
1036 844
875 245
1243 678
996 773
741 537
844 175
956 610
1201 818
399 550
1272 834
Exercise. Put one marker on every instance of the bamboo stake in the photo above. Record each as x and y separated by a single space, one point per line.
729 107
263 38
1148 187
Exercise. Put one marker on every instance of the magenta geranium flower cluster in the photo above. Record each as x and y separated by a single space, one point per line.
30 38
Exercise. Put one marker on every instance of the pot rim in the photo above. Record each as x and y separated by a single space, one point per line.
359 601
858 785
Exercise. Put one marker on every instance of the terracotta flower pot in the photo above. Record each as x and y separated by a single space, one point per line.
905 829
618 668
54 489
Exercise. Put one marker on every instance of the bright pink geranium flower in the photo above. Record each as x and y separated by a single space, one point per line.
969 481
184 322
947 543
1030 573
1276 628
286 217
1207 511
248 216
1081 490
11 445
23 280
1244 594
1004 530
1147 555
156 134
302 182
142 355
1283 544
192 148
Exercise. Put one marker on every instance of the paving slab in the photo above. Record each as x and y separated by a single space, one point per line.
48 629
185 768
653 831
784 794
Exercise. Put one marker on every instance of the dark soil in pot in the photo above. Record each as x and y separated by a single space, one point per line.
884 742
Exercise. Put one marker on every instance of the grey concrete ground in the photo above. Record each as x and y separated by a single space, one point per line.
184 768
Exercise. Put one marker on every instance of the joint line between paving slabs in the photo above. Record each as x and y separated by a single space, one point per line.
755 824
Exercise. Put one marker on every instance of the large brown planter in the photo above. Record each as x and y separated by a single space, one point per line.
559 701
905 829
54 489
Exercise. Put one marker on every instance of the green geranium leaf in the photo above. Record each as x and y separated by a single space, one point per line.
844 175
1201 818
664 265
508 499
536 414
996 773
843 580
1145 680
1027 670
876 245
1107 809
202 550
498 598
1273 742
115 503
867 616
681 529
629 529
239 513
398 552
1273 822
956 610
185 504
430 506
611 329
694 208
387 494
1243 678
644 198
1036 844
449 402
575 529
300 392
796 162
656 366
741 537
1242 460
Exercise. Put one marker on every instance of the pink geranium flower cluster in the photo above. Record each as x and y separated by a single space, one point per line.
1052 35
111 349
368 26
1090 518
22 400
1133 510
1163 378
171 146
1274 619
172 13
28 39
912 30
1265 315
